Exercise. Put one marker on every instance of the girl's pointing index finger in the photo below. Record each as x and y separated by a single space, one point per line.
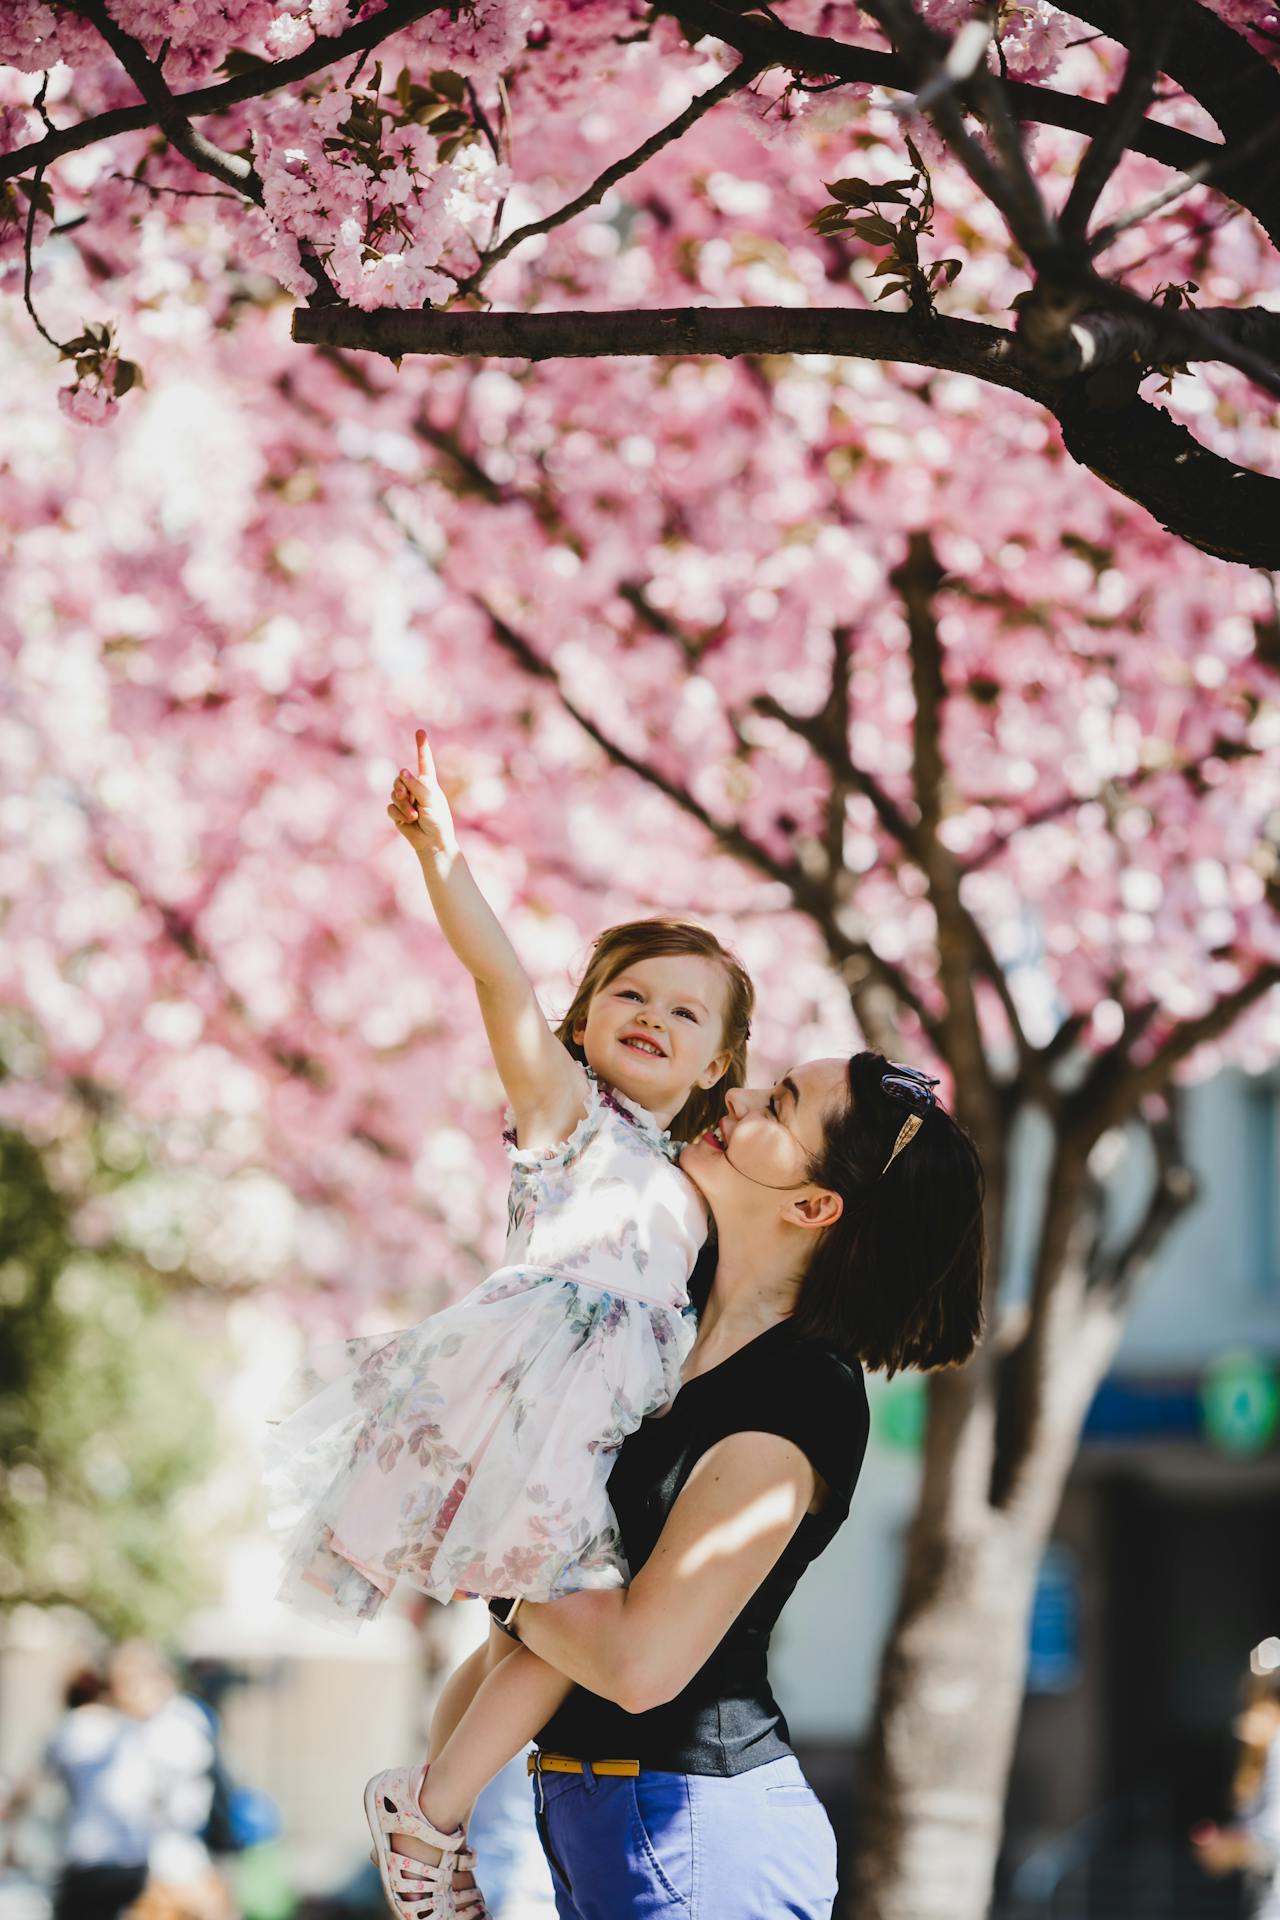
426 765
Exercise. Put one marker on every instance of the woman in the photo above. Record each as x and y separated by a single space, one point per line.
848 1224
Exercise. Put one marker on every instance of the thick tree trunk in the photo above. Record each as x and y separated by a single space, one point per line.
953 1674
950 1697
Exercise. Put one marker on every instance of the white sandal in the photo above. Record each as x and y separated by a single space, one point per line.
415 1889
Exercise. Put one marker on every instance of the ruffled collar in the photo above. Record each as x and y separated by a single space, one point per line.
640 1117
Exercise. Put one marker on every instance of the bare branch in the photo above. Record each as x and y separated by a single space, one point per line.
1124 110
1209 501
809 53
592 195
963 952
1117 1273
28 261
147 77
958 345
1237 86
1206 173
809 899
1164 334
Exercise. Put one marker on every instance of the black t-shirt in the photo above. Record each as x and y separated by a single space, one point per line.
726 1720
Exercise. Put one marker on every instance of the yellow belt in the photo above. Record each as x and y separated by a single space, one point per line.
562 1763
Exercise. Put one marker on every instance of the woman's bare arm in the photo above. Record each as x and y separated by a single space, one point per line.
639 1647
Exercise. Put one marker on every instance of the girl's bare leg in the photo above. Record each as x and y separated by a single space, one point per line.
517 1697
459 1690
490 1709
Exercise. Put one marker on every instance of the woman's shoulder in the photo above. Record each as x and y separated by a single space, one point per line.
805 1391
811 1370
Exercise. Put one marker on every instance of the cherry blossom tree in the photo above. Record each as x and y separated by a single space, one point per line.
831 623
386 195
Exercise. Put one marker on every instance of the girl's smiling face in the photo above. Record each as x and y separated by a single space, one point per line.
656 1030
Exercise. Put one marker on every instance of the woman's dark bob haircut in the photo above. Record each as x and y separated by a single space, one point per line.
898 1279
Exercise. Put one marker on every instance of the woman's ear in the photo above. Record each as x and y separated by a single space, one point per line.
817 1209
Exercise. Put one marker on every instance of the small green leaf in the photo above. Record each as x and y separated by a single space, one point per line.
893 286
854 192
239 61
450 86
875 230
433 110
43 194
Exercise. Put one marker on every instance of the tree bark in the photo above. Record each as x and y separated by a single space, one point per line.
952 1678
946 1720
1211 502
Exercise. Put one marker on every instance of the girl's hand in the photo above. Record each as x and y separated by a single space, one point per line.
418 806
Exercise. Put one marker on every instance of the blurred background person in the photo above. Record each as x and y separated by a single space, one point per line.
1251 1843
175 1776
105 1827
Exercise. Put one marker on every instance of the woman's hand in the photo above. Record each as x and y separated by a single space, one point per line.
418 807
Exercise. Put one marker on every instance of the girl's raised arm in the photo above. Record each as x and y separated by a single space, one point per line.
544 1083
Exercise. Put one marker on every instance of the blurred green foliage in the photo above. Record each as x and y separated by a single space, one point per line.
104 1420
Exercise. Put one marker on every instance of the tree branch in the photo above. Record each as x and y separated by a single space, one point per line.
1236 86
1183 1039
808 898
964 955
817 731
1205 499
1207 173
1115 1086
809 53
1125 109
1115 1275
592 195
230 168
260 80
1209 501
1010 186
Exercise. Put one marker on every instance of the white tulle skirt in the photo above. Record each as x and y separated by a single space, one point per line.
469 1454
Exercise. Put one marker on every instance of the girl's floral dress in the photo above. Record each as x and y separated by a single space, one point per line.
469 1454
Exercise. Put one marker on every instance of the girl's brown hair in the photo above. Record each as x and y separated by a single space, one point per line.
621 947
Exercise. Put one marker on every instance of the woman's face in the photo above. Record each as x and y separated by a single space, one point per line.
756 1159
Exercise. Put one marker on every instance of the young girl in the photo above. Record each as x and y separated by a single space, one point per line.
469 1455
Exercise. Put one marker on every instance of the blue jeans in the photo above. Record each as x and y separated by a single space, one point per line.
689 1846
